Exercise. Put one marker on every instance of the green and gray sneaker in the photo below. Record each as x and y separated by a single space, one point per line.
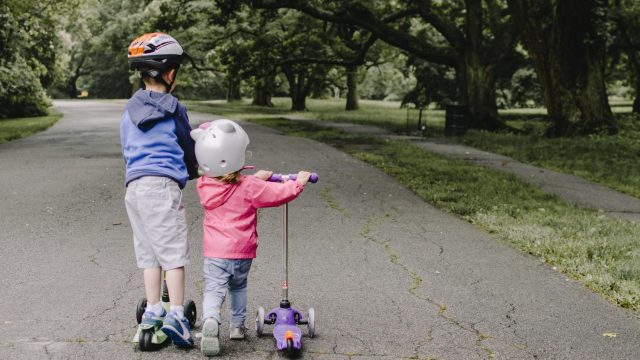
151 321
210 342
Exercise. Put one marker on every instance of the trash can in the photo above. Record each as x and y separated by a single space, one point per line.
455 120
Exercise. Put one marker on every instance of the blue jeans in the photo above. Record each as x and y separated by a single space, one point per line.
220 275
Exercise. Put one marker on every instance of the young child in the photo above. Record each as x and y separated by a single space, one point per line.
230 201
159 157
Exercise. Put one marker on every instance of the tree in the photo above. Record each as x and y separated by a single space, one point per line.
474 49
28 56
626 21
566 41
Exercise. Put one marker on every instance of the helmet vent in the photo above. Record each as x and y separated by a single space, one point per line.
227 127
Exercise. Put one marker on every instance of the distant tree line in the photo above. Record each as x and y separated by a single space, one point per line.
565 55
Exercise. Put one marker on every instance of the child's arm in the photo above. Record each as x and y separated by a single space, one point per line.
185 141
271 194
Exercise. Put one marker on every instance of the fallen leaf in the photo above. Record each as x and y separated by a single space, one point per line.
611 335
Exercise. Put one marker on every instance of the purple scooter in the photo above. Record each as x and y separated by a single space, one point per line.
287 334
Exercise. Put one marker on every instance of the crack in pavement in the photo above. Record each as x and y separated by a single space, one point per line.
426 340
513 323
325 193
114 302
416 282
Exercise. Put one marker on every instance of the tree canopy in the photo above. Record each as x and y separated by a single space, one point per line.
484 54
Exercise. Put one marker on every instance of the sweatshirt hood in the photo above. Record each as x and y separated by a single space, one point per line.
218 192
146 107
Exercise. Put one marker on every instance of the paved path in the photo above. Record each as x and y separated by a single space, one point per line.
573 189
390 276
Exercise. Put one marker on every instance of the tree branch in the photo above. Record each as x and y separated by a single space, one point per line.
359 15
446 28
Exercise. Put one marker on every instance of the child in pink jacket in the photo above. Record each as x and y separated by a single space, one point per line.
230 201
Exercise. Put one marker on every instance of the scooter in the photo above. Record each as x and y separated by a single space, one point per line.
149 339
286 333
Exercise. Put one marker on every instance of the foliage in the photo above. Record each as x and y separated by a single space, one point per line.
12 129
20 91
27 56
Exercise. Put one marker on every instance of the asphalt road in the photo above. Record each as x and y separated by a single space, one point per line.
389 275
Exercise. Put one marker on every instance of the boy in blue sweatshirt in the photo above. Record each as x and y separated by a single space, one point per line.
159 157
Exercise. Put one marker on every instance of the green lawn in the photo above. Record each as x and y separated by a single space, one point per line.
601 252
11 129
612 160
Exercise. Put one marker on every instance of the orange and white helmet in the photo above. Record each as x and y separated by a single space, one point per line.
157 51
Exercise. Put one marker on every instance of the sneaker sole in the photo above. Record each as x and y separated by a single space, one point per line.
210 343
176 337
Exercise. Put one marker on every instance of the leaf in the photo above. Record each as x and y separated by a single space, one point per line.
609 334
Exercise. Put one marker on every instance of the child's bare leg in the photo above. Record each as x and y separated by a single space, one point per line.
152 281
175 284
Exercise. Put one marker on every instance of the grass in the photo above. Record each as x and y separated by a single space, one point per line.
12 129
601 252
388 115
611 160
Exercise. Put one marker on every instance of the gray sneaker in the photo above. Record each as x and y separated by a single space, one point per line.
237 333
210 343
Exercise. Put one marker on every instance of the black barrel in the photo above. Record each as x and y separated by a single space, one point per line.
455 120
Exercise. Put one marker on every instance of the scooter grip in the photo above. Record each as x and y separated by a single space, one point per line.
279 177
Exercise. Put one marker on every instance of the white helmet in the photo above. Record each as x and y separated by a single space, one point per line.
220 147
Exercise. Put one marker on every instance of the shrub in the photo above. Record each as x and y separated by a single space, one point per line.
21 93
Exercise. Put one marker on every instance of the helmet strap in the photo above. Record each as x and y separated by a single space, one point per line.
157 76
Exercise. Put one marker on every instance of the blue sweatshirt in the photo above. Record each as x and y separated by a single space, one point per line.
154 134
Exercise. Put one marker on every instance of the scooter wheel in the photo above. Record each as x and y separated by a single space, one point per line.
260 321
311 322
190 312
146 340
142 306
291 351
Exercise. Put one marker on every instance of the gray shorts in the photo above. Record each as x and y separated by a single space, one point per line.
158 221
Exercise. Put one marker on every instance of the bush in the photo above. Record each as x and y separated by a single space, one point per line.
21 93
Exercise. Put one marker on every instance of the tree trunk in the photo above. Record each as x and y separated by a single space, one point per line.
233 87
352 88
70 88
476 74
634 63
262 92
569 57
318 90
479 87
298 89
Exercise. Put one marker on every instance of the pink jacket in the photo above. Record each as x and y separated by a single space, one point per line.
230 213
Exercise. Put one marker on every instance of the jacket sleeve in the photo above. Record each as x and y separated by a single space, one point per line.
183 130
203 194
271 194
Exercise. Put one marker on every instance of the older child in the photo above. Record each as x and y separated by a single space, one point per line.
230 201
159 158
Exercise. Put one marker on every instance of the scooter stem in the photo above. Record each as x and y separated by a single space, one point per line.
285 251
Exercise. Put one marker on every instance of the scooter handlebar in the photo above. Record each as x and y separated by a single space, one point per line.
284 177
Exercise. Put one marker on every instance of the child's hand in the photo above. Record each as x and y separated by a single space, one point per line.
263 174
303 177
